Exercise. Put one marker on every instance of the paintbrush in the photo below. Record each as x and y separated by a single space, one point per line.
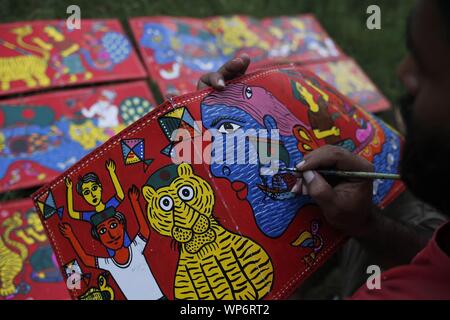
352 174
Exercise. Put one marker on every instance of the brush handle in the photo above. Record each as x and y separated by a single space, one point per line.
353 174
360 175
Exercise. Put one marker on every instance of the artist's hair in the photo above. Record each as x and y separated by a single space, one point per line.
119 216
88 177
444 9
444 6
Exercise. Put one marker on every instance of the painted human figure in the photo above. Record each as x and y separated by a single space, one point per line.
126 262
91 189
104 110
319 116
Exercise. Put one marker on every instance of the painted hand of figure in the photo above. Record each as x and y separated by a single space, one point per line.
347 204
230 70
68 182
111 165
133 193
66 230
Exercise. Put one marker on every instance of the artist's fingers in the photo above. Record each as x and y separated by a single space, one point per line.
213 79
230 70
297 188
300 187
334 157
235 68
203 82
319 189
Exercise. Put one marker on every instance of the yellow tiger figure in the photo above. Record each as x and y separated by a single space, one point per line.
214 263
28 68
11 262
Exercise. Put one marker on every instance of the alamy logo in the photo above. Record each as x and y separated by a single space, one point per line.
229 145
74 20
374 280
73 281
374 20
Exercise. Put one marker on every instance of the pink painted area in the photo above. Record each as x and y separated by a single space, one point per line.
259 104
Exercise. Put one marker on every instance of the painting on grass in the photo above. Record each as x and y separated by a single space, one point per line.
45 54
350 80
43 135
178 50
29 268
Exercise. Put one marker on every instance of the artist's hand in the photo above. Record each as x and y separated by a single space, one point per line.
133 193
66 230
69 183
111 165
346 205
230 70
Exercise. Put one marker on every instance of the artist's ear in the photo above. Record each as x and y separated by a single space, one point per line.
148 193
270 123
185 170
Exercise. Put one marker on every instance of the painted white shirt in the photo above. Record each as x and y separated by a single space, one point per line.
134 278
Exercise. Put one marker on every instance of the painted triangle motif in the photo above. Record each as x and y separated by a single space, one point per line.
132 158
132 142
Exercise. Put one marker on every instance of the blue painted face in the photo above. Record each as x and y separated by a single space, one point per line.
274 206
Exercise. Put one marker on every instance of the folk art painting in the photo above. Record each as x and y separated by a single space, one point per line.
345 75
44 134
45 54
177 51
134 223
28 266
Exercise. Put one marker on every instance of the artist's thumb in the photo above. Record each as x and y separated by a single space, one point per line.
319 190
